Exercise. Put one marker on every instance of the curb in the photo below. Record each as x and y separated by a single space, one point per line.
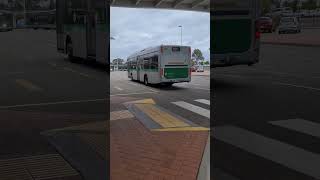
204 169
291 44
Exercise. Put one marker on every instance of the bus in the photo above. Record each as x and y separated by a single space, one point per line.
164 64
6 21
235 32
82 30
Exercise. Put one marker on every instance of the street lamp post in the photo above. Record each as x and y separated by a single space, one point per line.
180 34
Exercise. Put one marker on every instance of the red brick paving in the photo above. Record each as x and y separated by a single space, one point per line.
139 154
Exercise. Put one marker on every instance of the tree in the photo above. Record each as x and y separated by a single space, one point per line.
197 56
118 61
266 6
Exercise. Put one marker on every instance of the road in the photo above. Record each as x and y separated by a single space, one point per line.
40 91
266 121
198 88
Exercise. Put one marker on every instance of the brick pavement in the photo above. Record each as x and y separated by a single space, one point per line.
137 153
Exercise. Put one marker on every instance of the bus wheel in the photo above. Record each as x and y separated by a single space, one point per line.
70 52
131 77
145 80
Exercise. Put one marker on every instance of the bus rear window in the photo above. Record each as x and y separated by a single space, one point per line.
175 49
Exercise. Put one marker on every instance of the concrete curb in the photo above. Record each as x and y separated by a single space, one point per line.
204 169
291 44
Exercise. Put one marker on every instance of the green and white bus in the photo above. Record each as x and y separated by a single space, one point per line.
82 29
164 64
235 32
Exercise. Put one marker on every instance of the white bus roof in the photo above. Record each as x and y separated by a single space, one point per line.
153 49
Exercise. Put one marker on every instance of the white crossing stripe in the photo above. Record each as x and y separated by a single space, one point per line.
120 89
300 125
196 109
204 101
287 155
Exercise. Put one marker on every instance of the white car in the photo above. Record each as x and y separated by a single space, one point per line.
289 24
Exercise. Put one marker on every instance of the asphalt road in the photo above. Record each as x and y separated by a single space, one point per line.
198 88
40 90
266 117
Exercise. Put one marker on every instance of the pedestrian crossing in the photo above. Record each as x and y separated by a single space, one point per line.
194 108
274 150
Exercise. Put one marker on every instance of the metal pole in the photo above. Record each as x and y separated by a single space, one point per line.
180 35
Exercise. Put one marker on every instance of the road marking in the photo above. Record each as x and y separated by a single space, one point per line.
120 89
204 101
300 125
53 64
53 103
28 85
127 94
196 109
69 69
165 119
183 129
122 114
74 71
298 86
84 74
287 155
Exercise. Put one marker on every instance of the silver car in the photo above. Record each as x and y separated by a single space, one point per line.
289 25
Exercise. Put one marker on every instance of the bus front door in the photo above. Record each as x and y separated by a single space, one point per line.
91 34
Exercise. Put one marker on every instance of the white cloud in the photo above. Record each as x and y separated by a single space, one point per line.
136 29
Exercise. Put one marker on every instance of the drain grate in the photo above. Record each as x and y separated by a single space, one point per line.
39 167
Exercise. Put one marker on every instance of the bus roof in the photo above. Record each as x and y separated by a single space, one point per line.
153 49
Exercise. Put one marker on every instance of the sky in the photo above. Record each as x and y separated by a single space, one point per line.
136 29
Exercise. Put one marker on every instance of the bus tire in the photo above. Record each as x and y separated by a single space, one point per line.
145 80
70 51
131 77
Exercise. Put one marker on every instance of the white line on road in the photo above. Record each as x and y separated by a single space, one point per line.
196 109
204 101
127 94
52 64
28 85
120 89
287 155
69 69
300 125
298 86
53 103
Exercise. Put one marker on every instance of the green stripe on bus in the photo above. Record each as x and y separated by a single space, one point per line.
173 73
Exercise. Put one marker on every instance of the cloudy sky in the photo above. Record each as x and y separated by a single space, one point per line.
136 29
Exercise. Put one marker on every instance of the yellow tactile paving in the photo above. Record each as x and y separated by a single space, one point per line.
183 129
144 101
163 118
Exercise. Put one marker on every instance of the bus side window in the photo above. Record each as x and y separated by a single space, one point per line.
154 62
146 63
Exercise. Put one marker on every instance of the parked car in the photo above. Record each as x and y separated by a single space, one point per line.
200 68
266 24
289 24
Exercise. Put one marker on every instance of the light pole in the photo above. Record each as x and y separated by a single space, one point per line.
180 34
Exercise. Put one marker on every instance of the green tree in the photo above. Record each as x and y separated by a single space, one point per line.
197 56
117 61
266 6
